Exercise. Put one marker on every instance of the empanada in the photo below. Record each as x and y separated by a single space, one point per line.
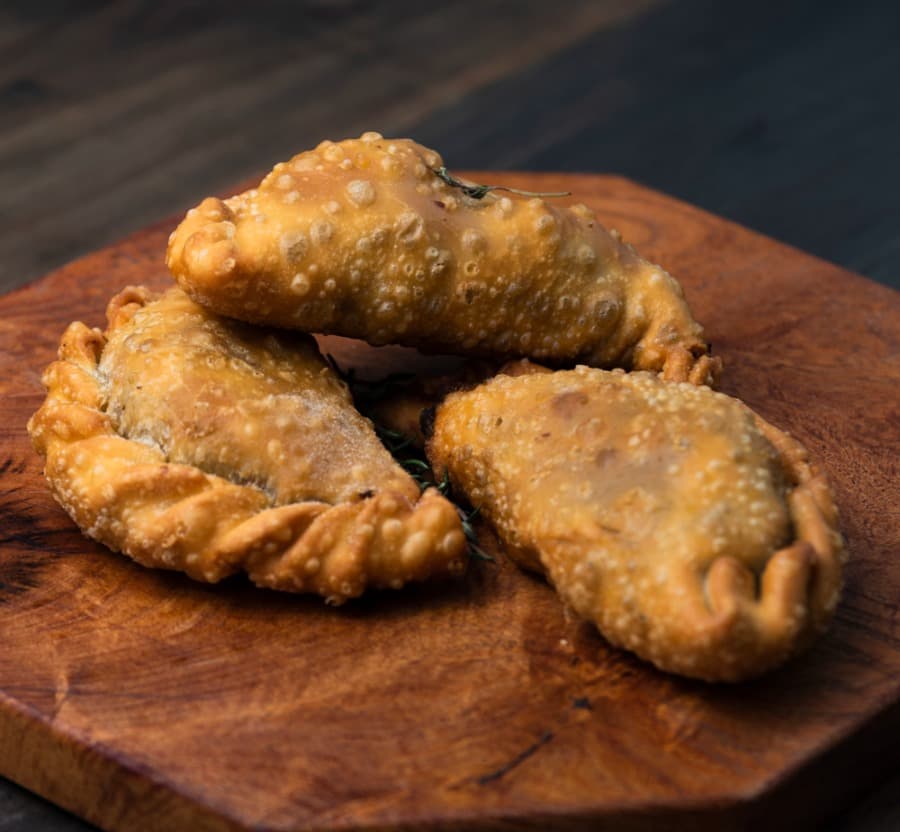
193 443
363 238
689 530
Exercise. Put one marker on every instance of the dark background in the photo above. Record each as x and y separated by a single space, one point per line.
783 116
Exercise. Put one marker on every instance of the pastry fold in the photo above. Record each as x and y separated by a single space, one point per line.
365 238
688 529
193 443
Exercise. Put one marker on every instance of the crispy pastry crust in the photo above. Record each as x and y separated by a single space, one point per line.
362 238
143 491
687 528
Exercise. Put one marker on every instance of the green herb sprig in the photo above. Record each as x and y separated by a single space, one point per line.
402 448
481 191
475 551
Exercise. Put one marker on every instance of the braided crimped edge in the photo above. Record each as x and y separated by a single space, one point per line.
752 624
683 365
733 625
126 495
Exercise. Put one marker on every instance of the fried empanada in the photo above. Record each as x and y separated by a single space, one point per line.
368 238
688 529
193 443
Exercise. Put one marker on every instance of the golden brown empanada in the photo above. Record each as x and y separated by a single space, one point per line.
363 238
190 442
689 530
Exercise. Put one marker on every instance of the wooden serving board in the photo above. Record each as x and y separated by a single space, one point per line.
142 700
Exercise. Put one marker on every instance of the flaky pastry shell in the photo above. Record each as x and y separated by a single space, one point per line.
367 238
687 528
193 443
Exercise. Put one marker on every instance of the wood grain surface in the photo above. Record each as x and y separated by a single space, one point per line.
141 700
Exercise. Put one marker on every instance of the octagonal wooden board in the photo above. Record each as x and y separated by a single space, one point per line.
141 700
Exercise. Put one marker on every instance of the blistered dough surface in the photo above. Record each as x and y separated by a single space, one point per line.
249 404
363 238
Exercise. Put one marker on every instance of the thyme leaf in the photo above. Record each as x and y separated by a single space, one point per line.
481 191
419 464
475 551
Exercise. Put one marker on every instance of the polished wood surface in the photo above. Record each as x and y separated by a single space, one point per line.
782 116
141 700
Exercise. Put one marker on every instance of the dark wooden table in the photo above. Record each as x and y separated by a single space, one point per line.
782 116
